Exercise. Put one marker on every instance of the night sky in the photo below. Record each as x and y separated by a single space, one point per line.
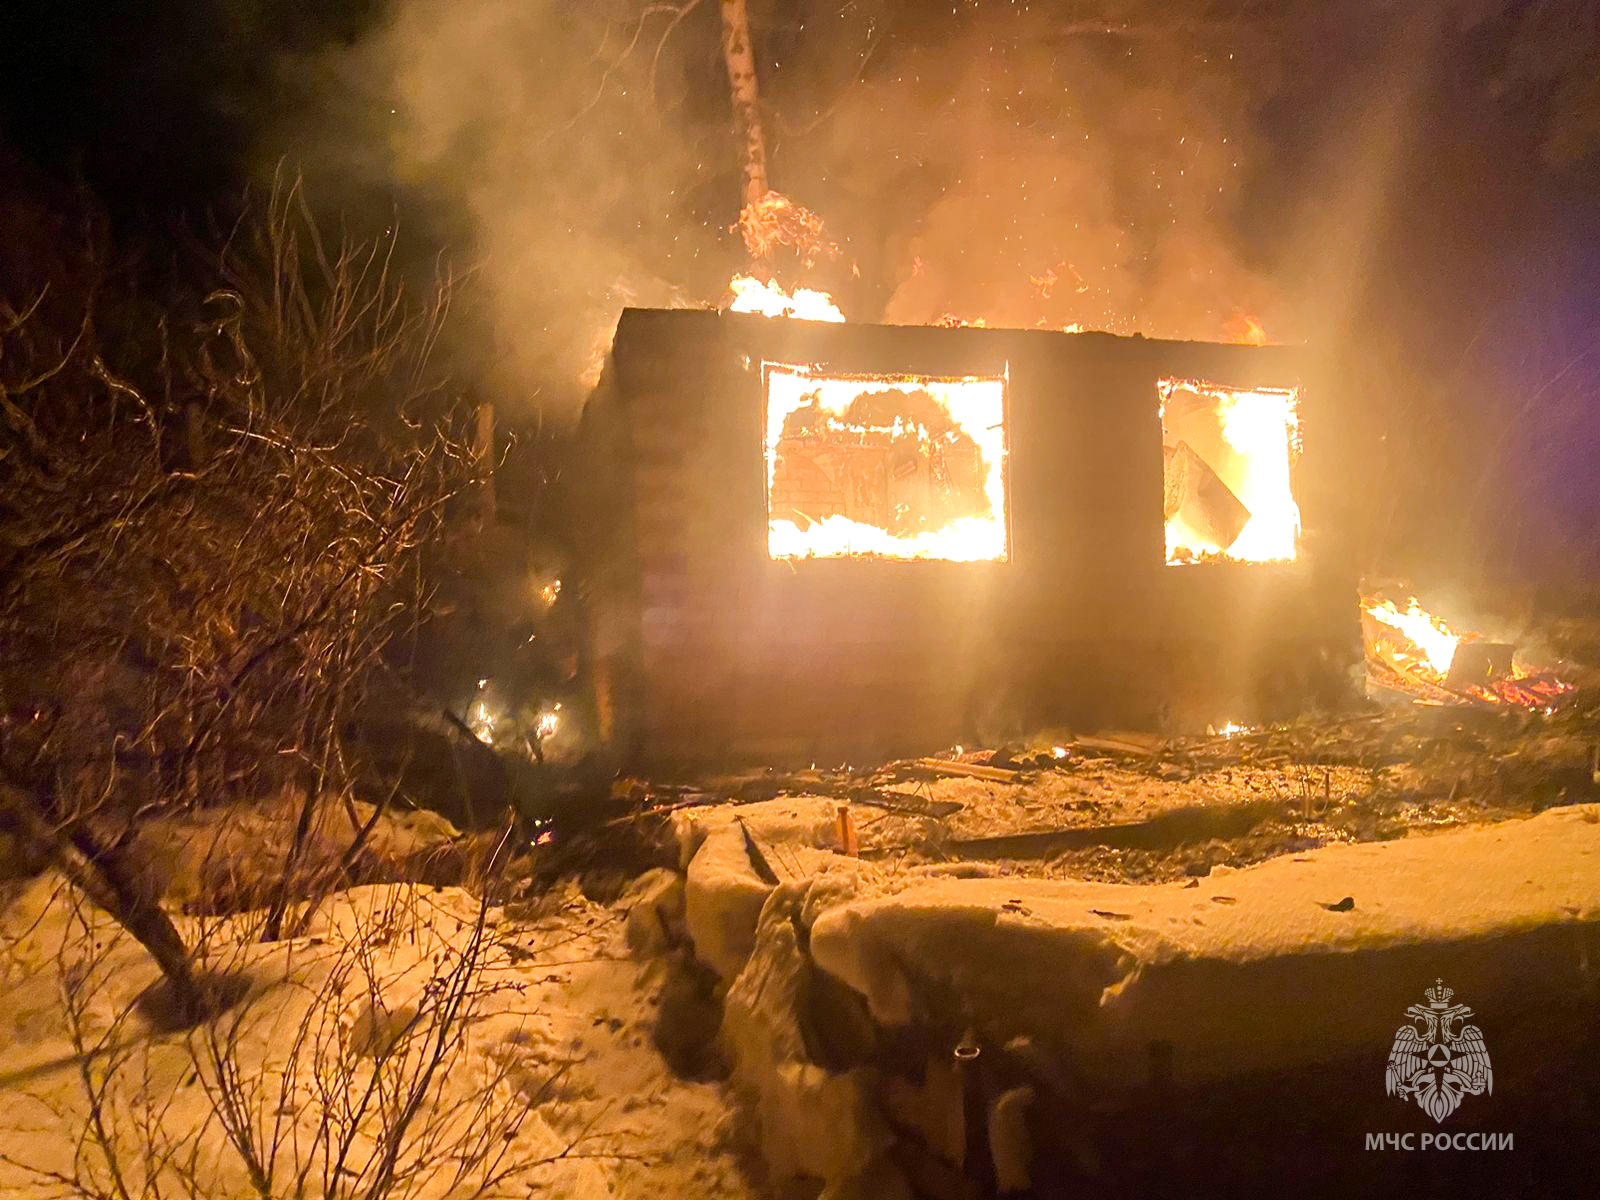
1413 192
157 104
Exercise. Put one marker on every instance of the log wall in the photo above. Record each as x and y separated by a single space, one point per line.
705 650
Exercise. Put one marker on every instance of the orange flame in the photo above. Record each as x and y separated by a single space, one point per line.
1245 330
1432 643
1417 649
775 220
751 295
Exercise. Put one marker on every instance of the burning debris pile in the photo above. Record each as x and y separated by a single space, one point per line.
1412 654
1138 807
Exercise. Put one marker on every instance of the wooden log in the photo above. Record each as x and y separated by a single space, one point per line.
1141 744
1183 826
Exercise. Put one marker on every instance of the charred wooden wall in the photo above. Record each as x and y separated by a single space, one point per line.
703 648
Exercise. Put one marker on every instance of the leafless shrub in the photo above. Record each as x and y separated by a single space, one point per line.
212 526
354 1112
357 1066
119 1151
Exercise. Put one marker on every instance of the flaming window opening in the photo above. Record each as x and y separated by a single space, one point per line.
1229 455
885 466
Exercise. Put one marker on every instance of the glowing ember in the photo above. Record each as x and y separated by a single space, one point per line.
548 721
482 722
1228 729
1229 453
751 295
906 467
1415 651
951 321
550 591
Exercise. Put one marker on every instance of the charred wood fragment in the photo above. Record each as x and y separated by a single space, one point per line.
1479 663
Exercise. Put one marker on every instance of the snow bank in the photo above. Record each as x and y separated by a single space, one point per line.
1071 984
723 899
725 891
1274 966
654 904
211 861
813 1121
553 1065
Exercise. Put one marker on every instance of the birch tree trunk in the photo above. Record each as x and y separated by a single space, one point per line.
740 57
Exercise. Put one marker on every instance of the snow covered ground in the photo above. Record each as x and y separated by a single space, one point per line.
413 1042
318 1082
1067 985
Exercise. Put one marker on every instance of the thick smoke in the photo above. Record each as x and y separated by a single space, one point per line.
977 163
538 123
558 157
1033 172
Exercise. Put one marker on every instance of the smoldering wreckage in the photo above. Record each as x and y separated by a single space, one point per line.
1034 955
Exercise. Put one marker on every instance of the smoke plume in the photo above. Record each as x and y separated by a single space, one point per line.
984 163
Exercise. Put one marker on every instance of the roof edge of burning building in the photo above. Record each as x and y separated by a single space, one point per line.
1275 356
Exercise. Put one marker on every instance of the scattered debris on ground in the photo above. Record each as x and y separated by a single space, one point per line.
1138 808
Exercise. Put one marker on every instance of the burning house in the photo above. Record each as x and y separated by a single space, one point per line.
815 540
